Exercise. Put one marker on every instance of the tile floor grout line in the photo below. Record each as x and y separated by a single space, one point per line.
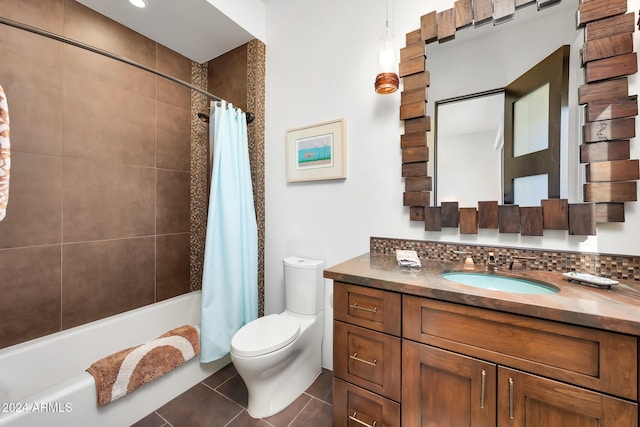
166 421
318 398
299 412
223 382
229 399
232 419
263 420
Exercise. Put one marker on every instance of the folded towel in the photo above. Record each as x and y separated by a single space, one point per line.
123 372
407 258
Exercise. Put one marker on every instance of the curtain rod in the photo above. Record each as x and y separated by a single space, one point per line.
93 49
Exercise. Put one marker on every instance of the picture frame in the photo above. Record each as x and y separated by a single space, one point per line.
317 152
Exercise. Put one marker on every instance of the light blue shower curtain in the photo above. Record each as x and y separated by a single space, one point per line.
230 274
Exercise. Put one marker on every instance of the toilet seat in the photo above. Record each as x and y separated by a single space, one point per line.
264 335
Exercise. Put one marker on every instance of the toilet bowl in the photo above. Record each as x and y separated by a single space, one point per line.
279 356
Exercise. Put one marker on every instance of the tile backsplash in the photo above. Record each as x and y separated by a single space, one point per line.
618 267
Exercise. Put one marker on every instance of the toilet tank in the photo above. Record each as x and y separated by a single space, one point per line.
303 285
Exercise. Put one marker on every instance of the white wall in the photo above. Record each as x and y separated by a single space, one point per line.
321 65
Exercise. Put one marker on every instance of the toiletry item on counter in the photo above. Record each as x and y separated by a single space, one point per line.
590 280
407 258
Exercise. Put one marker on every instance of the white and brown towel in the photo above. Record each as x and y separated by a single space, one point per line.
123 372
5 154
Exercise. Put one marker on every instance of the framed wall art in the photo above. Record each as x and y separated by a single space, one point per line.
317 152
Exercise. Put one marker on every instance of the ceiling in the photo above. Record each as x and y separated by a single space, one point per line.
193 28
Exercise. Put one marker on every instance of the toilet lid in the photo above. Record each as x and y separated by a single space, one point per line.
264 335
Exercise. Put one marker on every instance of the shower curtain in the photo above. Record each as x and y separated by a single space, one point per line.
230 272
5 154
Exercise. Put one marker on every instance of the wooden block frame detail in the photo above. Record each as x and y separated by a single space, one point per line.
608 62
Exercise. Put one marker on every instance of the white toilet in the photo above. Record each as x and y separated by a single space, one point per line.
279 356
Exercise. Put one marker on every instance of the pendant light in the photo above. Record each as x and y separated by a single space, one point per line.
387 80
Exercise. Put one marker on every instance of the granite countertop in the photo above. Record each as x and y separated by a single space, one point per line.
616 309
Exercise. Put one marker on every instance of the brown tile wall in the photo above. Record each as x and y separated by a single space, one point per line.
227 76
617 267
98 220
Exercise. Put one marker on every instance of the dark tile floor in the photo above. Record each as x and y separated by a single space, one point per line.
221 401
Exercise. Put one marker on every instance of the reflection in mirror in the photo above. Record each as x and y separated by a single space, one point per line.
531 122
530 190
536 120
468 144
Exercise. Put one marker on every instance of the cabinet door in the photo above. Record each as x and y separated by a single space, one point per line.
445 389
532 401
356 407
367 358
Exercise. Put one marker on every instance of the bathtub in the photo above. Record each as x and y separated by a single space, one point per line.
43 381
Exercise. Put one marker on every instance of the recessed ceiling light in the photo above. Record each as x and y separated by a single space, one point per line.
138 3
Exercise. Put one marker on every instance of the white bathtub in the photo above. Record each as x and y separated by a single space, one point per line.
43 381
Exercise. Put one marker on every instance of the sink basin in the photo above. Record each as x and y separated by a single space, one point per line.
499 283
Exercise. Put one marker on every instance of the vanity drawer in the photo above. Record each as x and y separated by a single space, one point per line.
596 359
371 308
367 358
353 406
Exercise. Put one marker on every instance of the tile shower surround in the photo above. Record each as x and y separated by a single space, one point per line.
98 220
617 267
92 202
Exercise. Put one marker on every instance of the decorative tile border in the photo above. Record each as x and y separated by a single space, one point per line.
620 267
256 101
199 168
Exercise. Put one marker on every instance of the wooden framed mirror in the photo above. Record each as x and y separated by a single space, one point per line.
609 124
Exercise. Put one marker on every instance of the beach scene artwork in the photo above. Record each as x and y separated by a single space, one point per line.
315 152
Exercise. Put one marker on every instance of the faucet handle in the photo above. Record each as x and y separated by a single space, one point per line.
468 261
492 265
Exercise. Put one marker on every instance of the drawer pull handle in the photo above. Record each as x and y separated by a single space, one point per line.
353 418
482 388
355 357
370 310
511 398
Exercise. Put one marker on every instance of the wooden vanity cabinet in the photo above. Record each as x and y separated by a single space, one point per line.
366 356
458 369
442 388
532 401
435 363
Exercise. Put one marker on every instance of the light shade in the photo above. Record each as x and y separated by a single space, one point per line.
387 83
387 80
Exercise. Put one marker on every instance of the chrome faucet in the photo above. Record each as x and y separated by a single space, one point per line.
491 262
515 262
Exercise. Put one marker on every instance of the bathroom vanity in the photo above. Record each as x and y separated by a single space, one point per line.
414 349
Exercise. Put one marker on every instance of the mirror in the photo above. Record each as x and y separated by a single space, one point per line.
507 142
466 64
601 112
468 141
601 61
